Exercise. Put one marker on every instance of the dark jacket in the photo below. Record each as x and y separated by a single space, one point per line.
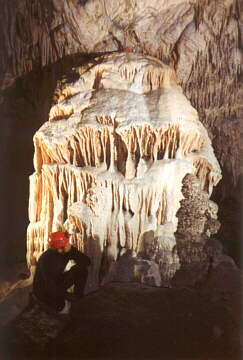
48 280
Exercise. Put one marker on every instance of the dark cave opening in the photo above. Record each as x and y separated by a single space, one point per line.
229 200
24 107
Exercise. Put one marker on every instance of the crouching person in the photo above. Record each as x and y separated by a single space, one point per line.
51 282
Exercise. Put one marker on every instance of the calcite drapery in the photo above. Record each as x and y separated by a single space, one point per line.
110 163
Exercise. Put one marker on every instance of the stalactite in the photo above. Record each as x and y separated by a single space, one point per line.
110 174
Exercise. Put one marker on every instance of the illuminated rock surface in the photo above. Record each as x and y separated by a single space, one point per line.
110 163
43 39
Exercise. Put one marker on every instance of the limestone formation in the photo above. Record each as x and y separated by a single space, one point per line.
110 163
200 39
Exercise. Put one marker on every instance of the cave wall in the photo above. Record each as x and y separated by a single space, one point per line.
41 40
21 114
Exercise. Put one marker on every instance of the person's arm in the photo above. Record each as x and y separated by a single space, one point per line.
79 258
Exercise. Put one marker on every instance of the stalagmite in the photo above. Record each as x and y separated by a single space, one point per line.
109 166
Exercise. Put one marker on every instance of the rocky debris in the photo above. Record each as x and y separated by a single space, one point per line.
223 288
15 286
130 320
12 304
31 332
130 268
12 277
110 161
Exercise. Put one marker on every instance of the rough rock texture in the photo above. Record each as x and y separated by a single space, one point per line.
200 39
13 277
197 221
197 36
134 321
13 303
15 286
110 162
33 328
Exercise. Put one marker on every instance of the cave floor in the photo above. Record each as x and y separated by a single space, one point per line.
130 321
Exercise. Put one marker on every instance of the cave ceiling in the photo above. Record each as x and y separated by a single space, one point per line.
199 38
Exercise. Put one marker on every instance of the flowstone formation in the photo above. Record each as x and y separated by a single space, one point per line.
109 166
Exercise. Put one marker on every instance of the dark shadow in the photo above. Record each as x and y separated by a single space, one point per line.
229 199
24 108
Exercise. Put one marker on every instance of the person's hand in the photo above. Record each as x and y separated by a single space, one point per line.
67 247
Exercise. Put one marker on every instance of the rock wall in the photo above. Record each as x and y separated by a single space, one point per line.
201 40
110 163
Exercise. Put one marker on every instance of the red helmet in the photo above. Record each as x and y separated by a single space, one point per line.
58 239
